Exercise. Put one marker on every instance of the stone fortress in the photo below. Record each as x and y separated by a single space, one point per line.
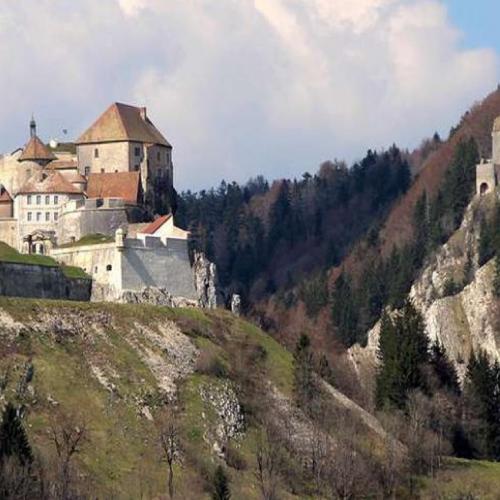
104 203
488 171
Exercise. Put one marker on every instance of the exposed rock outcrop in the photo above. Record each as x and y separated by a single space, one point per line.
205 281
463 322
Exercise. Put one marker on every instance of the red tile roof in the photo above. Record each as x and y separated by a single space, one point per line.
154 226
124 185
63 165
48 182
5 196
36 150
121 122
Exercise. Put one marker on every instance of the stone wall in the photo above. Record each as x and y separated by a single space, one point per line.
101 261
91 217
8 232
150 263
486 178
41 282
141 263
13 174
495 153
112 157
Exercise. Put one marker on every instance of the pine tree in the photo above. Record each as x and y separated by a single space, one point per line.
304 384
13 438
345 310
443 368
482 400
486 242
221 489
403 352
496 278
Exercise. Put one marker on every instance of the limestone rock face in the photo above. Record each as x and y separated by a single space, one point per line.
154 296
236 304
464 322
205 281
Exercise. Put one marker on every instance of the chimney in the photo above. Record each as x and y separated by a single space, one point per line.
143 113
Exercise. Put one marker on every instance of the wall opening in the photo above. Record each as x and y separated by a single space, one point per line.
483 188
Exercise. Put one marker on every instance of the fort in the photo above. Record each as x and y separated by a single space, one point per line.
488 171
104 203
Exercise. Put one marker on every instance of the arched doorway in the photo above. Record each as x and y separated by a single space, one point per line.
483 188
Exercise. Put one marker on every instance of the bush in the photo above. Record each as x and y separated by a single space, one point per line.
210 364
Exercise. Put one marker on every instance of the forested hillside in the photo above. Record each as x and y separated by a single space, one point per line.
268 238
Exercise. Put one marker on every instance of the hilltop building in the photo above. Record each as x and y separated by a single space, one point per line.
488 171
104 203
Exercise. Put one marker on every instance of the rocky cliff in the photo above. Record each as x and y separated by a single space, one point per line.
462 318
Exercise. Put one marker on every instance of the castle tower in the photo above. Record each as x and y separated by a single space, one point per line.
488 172
36 151
495 150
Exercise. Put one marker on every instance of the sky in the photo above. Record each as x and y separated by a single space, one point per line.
248 87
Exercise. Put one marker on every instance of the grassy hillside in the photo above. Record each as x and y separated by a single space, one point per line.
111 368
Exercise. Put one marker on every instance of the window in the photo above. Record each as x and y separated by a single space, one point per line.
158 155
30 200
95 269
47 216
47 200
38 199
56 200
56 216
109 267
137 168
30 216
28 172
137 151
38 216
87 171
96 153
102 170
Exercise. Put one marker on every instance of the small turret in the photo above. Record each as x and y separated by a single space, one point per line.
120 236
32 126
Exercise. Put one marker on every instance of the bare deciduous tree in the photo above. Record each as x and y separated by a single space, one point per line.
168 436
268 458
68 438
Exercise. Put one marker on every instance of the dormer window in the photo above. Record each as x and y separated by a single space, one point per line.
96 153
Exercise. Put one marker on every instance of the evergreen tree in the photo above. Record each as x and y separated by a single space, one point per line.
482 401
460 180
443 368
403 352
221 489
345 310
13 438
304 384
496 278
486 248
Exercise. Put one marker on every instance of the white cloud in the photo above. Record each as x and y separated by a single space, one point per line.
132 7
242 87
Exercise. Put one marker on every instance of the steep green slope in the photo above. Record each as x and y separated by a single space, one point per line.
112 367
